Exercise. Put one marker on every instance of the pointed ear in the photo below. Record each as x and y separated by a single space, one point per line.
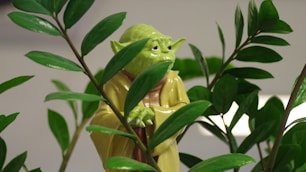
117 46
177 44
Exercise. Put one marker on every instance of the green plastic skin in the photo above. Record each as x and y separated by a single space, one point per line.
160 103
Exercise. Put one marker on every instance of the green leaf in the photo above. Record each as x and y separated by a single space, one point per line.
121 59
89 108
276 26
2 152
101 129
36 170
201 61
299 120
124 163
258 54
101 31
215 130
182 117
249 73
224 92
222 163
75 10
243 107
34 23
239 24
198 93
269 40
7 120
252 18
286 153
58 5
73 96
246 87
13 82
33 6
59 128
301 95
15 164
53 61
267 11
189 160
221 36
143 83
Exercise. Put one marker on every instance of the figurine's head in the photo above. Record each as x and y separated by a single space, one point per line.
159 48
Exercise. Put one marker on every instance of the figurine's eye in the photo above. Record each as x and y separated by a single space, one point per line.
169 47
155 48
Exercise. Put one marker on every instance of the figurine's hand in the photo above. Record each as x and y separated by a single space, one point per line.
141 116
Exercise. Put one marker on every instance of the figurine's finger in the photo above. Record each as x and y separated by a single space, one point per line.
149 122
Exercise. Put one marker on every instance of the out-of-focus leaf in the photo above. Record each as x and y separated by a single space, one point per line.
75 10
53 61
34 23
13 83
89 108
239 24
198 93
101 31
286 153
215 63
101 129
36 170
73 96
33 6
269 40
214 130
276 26
221 36
143 83
222 163
15 164
246 87
121 59
252 18
301 95
7 120
2 152
249 73
224 92
180 118
267 11
124 163
258 54
59 128
201 61
296 121
58 5
189 160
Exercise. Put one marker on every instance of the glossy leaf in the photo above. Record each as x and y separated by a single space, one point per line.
239 24
34 23
143 83
189 160
252 18
58 5
221 36
53 61
276 26
258 54
270 40
33 6
215 130
121 59
15 164
75 10
296 121
89 108
63 87
245 87
101 31
243 107
301 95
201 61
101 129
2 152
249 73
222 163
59 128
182 117
224 92
7 120
124 163
286 154
198 93
267 11
13 83
73 96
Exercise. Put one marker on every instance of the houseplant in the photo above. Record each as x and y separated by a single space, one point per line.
71 66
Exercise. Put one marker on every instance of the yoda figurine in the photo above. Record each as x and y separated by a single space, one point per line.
161 102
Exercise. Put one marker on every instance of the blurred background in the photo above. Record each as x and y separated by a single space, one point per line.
194 20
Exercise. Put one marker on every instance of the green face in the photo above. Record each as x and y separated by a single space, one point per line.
159 48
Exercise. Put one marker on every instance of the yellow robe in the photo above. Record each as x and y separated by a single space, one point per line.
172 97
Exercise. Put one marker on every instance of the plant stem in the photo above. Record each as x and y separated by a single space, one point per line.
72 144
260 156
282 127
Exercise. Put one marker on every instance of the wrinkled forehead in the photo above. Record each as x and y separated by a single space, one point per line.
161 40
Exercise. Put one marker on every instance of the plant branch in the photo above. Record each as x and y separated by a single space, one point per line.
282 127
260 155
